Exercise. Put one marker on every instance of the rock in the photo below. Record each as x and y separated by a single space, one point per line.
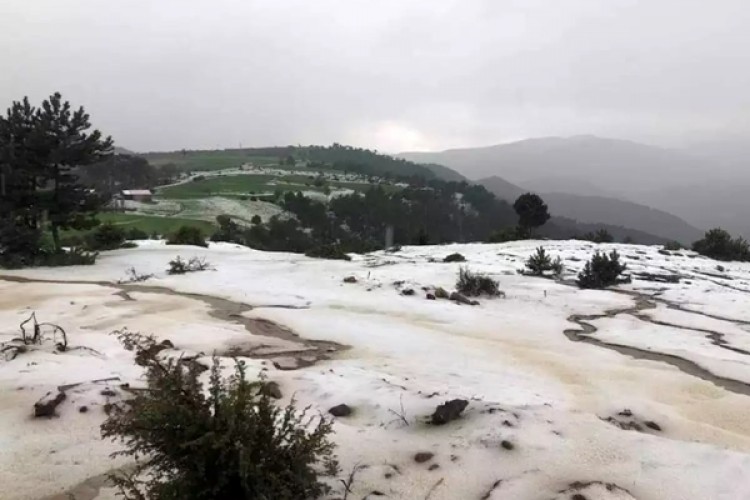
507 445
285 363
45 407
462 299
341 410
423 456
407 291
448 411
430 296
271 389
433 467
440 293
108 393
652 425
142 358
83 409
350 279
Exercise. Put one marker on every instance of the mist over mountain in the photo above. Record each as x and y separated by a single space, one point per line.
702 184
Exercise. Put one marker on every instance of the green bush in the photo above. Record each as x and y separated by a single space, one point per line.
228 230
180 266
187 235
600 236
454 257
229 441
673 246
509 234
540 263
20 246
718 244
255 220
76 256
106 236
135 233
601 271
474 285
328 251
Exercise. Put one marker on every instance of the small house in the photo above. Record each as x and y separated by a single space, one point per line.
144 195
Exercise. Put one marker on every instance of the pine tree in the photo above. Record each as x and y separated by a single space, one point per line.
532 211
64 143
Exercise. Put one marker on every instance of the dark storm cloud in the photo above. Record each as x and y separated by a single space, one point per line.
390 74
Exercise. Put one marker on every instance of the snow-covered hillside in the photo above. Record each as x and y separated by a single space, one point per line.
638 392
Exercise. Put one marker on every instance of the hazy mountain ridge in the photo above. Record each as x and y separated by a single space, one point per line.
587 210
701 186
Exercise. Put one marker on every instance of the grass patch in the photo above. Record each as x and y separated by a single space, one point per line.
147 223
219 186
209 160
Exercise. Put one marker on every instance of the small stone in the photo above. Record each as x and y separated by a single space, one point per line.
350 279
423 456
448 411
45 407
271 389
407 292
83 409
341 410
108 393
433 467
507 445
430 296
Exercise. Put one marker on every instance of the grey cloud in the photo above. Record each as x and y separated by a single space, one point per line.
389 74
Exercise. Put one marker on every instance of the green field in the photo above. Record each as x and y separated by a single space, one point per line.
153 224
209 160
214 186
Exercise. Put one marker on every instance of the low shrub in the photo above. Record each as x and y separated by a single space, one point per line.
454 257
228 231
509 234
600 236
228 440
328 251
540 263
718 244
135 233
601 271
187 235
106 236
181 266
20 246
75 256
255 220
473 284
673 246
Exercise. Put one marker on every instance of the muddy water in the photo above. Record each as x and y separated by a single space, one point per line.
307 352
643 303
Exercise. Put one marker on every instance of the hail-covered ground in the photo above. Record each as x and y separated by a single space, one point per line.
642 391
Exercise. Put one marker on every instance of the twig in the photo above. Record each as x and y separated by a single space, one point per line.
350 480
434 487
402 414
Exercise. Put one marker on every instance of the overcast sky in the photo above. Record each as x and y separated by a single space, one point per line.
389 74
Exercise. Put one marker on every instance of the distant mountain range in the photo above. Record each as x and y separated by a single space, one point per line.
604 210
663 191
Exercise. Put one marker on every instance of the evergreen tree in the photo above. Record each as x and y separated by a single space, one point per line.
64 143
532 211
